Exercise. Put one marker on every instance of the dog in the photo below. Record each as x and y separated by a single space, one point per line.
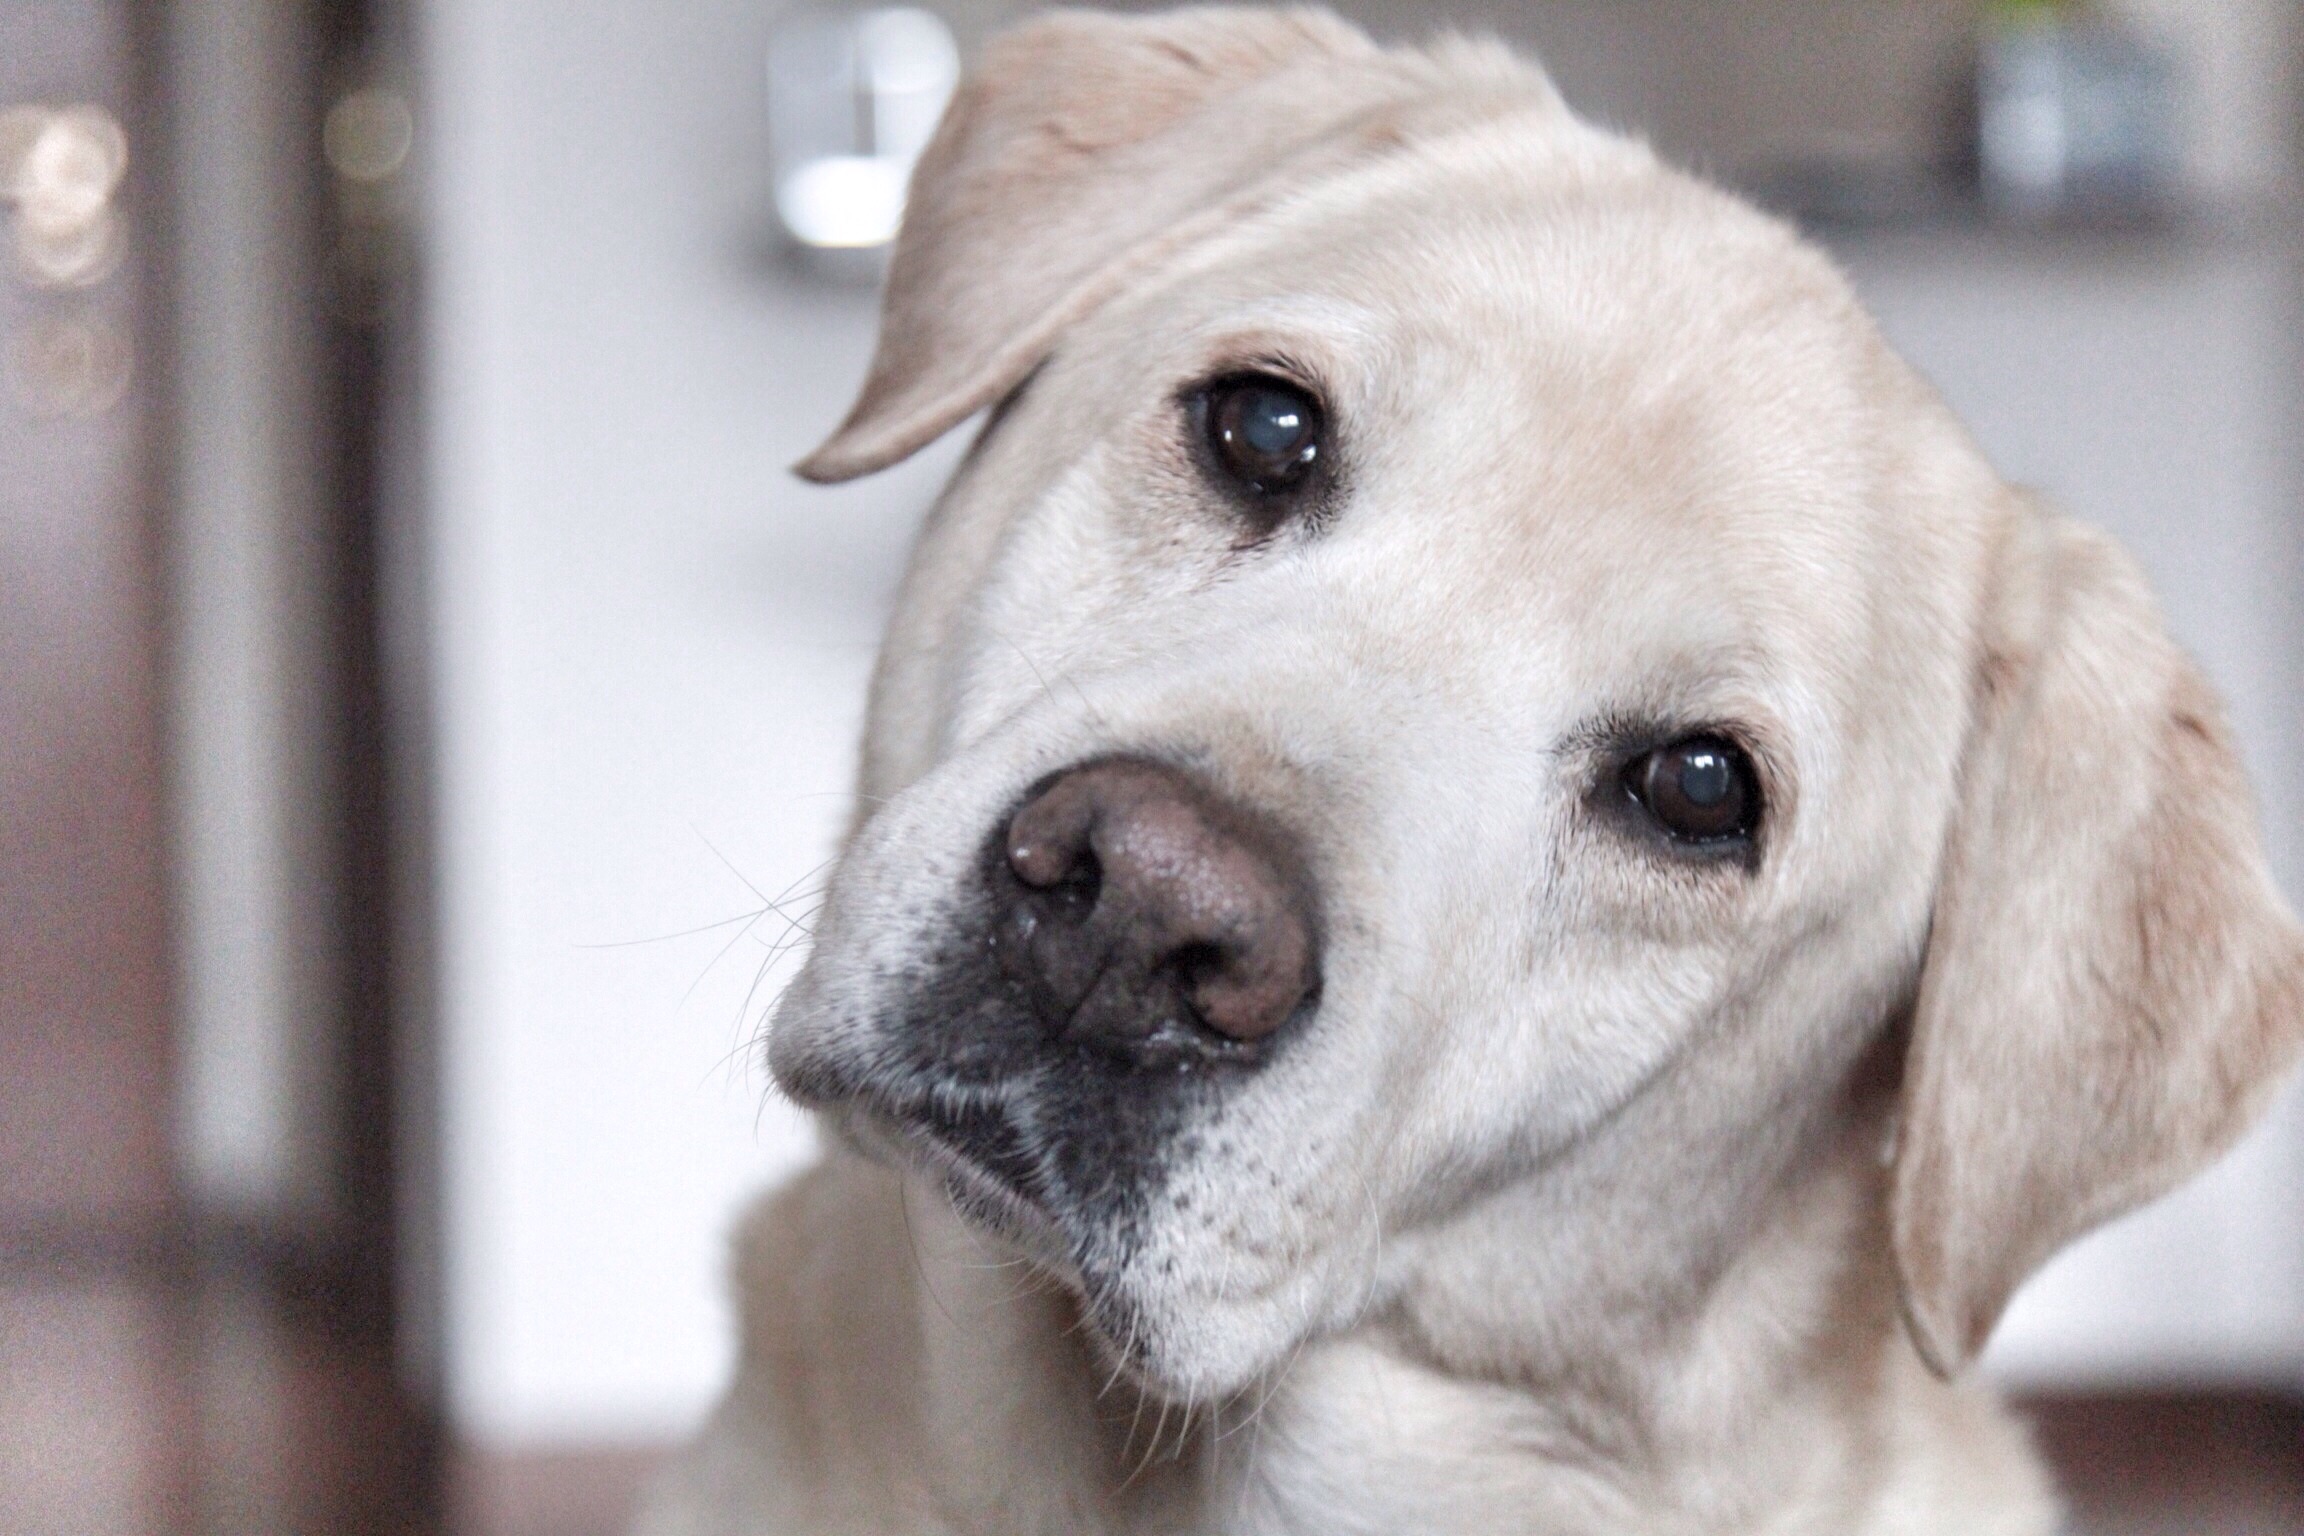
1499 886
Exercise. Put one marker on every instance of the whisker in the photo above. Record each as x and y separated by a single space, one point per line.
719 955
730 865
1159 1433
1094 714
912 1243
752 916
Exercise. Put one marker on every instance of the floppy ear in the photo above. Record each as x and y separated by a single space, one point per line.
2112 986
1082 149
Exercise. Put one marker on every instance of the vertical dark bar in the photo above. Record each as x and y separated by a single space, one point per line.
367 274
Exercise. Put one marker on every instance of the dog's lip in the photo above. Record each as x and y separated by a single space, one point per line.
923 1130
917 1119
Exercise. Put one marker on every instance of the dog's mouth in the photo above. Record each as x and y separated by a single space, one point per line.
972 1144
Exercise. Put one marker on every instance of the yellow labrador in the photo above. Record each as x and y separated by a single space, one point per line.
1501 887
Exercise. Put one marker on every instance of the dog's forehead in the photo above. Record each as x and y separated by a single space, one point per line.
1494 251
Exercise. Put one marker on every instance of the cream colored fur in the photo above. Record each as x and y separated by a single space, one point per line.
1600 1195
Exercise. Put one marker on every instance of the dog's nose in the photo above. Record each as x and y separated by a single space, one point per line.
1144 913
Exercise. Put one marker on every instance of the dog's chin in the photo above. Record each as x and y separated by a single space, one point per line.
1201 1361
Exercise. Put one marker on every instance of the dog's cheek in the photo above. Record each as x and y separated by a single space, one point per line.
1231 1273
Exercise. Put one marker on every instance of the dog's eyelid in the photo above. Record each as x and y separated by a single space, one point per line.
1626 735
1252 356
1275 369
1281 366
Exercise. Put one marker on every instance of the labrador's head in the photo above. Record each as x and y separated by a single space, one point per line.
1460 666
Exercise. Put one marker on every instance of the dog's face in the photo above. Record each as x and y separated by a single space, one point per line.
1425 687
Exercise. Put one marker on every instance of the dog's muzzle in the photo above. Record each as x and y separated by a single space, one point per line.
1130 945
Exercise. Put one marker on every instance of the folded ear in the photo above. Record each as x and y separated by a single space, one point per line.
2112 986
1082 149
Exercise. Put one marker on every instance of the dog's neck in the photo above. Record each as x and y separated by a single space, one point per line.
1667 1236
1625 1314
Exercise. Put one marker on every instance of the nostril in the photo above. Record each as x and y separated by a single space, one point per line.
1072 895
1246 990
1196 965
1051 849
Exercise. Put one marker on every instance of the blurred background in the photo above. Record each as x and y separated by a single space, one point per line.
426 702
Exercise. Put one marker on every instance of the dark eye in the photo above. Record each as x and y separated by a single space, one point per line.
1264 432
1701 790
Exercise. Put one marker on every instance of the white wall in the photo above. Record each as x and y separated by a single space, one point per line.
2239 59
651 645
